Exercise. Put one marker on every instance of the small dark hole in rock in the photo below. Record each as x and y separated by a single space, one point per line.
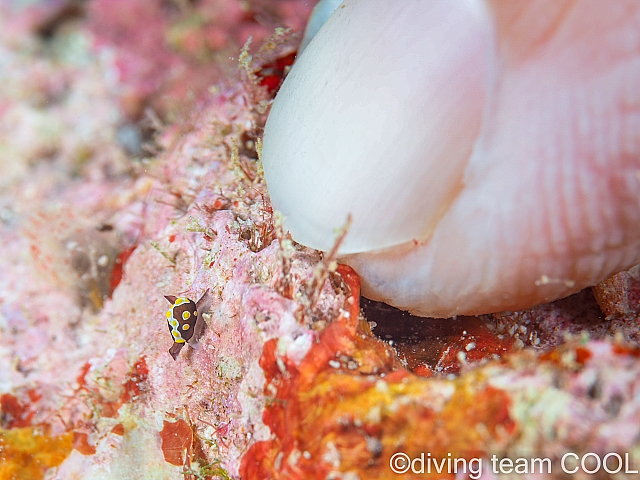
69 11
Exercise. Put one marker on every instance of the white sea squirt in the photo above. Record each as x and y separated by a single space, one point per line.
488 152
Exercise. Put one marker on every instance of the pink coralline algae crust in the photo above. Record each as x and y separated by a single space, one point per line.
287 380
167 51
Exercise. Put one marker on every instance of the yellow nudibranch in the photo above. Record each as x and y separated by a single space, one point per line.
185 320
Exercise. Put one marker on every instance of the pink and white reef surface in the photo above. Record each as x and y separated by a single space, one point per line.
130 170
